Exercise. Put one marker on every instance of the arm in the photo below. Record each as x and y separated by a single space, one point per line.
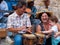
29 30
28 25
38 29
57 34
34 10
15 29
53 29
47 32
58 26
10 26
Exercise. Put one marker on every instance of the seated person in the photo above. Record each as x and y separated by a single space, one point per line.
19 23
53 30
3 8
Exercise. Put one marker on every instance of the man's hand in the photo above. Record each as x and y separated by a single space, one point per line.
28 31
21 28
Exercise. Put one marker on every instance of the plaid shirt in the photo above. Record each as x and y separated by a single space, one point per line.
16 21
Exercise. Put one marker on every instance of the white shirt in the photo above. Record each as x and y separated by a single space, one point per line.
15 21
55 29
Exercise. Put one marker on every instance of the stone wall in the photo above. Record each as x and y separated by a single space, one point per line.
55 4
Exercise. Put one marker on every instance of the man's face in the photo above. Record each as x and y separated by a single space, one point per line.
32 4
21 10
47 3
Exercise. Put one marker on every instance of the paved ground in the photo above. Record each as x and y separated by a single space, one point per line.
3 42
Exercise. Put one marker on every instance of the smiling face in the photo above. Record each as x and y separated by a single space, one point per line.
44 17
47 3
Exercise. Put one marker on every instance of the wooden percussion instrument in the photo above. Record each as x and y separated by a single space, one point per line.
40 38
3 33
28 39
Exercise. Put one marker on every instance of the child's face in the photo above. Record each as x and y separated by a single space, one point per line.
51 22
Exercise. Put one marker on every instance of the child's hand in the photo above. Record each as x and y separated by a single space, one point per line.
43 31
56 35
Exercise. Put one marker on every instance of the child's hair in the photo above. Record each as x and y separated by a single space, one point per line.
54 19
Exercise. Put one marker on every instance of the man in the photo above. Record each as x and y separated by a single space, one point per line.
46 5
33 19
33 10
19 23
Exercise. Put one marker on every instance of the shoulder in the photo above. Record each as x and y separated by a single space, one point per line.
25 15
34 7
11 16
38 26
54 28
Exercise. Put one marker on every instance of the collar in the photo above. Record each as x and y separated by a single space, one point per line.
16 15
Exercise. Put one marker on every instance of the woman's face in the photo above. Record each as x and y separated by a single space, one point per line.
44 17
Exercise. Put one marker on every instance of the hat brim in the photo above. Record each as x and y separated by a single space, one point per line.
29 1
39 13
44 0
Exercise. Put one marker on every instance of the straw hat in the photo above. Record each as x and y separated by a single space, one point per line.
42 11
29 0
44 0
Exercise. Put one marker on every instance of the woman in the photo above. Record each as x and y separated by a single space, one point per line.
54 29
44 26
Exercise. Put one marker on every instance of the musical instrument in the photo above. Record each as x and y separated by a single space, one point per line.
3 33
40 38
28 39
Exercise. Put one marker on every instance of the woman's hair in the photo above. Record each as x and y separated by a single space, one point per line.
54 19
43 13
